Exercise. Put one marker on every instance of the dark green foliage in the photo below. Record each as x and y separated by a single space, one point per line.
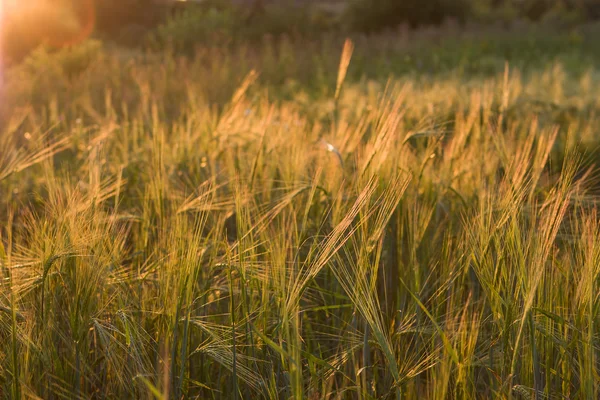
376 15
592 8
113 15
537 10
219 23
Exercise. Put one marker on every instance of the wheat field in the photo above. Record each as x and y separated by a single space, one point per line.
283 223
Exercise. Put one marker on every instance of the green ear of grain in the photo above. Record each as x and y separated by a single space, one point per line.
153 389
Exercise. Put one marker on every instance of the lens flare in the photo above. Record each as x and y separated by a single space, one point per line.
1 56
56 23
79 21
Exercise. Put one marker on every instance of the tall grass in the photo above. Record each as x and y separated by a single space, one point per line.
443 244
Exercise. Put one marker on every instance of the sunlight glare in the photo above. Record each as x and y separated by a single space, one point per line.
1 52
57 23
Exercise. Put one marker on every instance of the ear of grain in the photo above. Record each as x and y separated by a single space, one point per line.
343 67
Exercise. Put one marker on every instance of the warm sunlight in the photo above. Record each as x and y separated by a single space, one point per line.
2 52
56 23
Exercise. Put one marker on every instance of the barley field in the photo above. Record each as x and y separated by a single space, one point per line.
390 217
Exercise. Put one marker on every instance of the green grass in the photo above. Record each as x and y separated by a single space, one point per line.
426 227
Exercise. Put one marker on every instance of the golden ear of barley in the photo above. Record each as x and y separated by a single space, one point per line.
343 69
241 91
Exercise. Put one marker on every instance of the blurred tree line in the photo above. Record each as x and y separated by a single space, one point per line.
374 15
184 24
359 15
253 18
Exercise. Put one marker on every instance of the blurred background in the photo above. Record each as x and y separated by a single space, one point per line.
186 24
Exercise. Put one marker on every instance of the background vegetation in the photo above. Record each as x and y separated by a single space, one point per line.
183 26
406 214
